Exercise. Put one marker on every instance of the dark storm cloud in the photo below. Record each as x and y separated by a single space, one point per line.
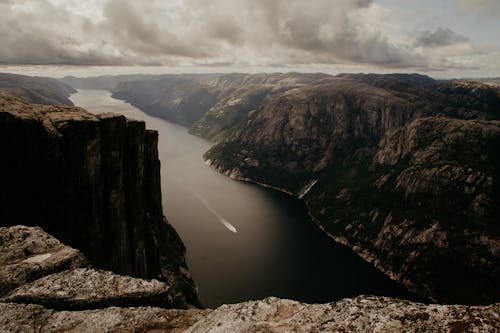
439 37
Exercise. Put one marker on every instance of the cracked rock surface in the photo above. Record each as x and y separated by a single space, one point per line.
84 288
360 314
29 253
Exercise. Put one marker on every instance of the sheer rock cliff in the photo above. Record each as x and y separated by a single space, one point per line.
94 183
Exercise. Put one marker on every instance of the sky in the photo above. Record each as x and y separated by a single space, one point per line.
441 38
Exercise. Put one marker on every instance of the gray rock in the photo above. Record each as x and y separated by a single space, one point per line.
28 253
24 318
271 315
360 314
84 288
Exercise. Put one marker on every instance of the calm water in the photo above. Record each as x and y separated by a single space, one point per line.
276 249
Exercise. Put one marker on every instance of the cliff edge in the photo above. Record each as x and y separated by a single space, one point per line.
94 183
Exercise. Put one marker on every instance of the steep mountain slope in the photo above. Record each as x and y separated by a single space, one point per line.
39 90
94 183
212 102
402 169
179 98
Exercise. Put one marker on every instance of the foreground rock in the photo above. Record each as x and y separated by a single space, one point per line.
89 289
27 254
93 182
361 314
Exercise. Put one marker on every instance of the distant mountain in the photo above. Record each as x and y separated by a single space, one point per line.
210 103
39 90
179 98
104 82
490 80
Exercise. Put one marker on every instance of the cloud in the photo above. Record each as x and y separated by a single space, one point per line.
485 7
41 33
207 33
439 37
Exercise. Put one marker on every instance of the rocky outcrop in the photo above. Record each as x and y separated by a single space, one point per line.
39 90
402 169
27 254
28 318
89 300
361 314
94 183
85 288
31 254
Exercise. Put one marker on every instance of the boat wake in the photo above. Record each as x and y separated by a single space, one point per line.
208 206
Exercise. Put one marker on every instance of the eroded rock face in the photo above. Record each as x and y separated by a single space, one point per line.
27 254
94 183
361 314
85 288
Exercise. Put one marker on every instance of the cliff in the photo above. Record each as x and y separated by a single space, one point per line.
39 90
401 168
94 183
87 300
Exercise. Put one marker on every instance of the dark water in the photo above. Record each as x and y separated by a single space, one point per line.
276 250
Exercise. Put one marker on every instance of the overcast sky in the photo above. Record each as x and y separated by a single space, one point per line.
444 38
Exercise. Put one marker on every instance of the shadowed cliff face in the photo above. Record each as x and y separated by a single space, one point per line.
93 182
406 174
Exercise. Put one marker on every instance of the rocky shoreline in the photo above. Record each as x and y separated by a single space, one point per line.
365 254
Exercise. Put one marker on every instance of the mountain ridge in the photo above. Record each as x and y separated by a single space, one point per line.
38 90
